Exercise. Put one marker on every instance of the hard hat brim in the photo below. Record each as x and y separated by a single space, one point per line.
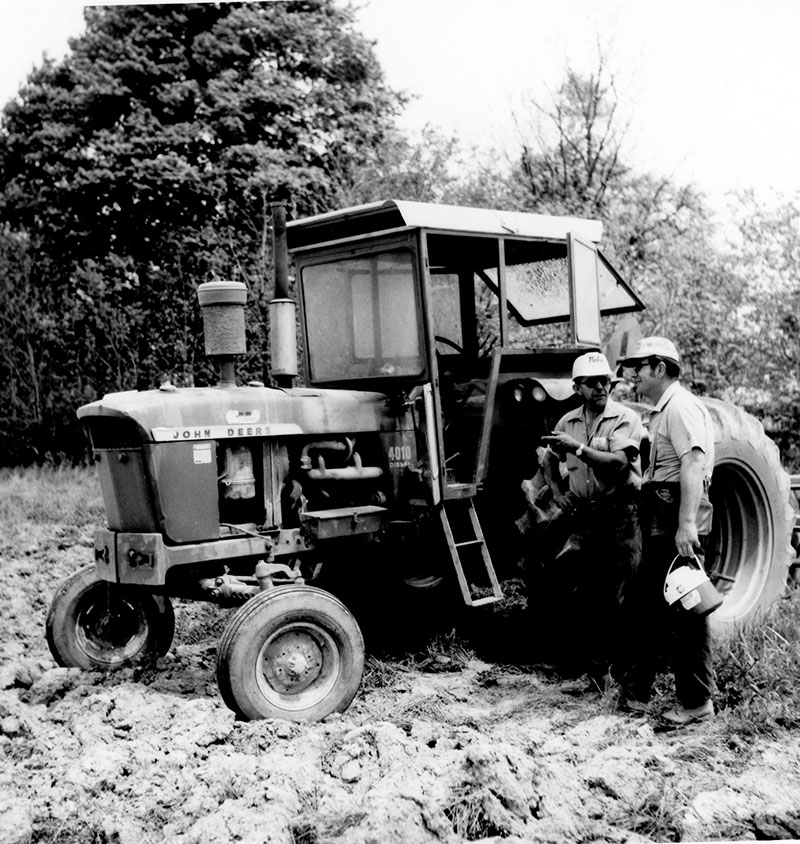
628 362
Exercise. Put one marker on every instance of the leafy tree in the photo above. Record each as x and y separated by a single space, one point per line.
765 374
20 371
664 240
659 234
433 168
570 160
142 165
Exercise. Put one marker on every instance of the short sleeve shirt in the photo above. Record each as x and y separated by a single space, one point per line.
679 423
619 428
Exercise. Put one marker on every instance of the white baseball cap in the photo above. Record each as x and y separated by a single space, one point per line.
591 365
658 347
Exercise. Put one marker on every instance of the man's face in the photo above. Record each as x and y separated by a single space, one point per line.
594 391
644 379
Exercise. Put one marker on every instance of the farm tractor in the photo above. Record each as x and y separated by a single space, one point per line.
438 343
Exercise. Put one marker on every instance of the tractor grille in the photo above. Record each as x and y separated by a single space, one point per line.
115 433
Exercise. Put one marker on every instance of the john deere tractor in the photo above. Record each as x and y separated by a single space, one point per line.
438 343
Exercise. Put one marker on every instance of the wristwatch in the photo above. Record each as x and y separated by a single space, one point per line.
580 449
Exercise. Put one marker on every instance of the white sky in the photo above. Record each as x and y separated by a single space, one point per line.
709 86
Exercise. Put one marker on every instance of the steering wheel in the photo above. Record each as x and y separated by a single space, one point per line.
448 342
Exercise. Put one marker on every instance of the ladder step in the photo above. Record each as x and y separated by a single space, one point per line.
467 508
489 599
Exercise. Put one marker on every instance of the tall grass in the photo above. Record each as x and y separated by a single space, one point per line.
758 672
43 495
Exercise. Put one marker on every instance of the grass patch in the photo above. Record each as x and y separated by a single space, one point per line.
46 495
380 674
656 814
501 632
444 652
197 622
758 672
69 831
429 707
471 813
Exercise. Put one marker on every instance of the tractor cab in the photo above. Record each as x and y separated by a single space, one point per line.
478 313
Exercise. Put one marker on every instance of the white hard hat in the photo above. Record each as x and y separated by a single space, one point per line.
647 347
590 365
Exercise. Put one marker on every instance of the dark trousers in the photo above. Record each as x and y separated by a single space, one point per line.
581 589
661 631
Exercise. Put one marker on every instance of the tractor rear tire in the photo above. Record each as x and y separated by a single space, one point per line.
292 652
101 626
751 540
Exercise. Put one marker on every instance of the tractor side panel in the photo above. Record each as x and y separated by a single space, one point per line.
185 475
125 488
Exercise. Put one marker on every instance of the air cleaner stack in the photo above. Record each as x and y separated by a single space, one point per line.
222 303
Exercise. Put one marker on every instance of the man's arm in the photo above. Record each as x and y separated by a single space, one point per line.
605 461
692 472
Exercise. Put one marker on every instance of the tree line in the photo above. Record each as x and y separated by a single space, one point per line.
142 165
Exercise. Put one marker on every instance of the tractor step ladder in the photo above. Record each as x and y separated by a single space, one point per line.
456 508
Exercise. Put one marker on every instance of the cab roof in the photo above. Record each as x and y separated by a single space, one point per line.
394 214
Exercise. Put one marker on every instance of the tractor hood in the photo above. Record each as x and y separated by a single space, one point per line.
172 414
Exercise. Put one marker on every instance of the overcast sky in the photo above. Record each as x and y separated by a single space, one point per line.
707 85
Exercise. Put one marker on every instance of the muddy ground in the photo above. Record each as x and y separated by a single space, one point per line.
444 747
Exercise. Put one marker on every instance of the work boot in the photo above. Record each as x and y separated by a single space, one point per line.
680 716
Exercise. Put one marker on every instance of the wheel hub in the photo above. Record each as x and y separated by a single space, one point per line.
296 665
110 629
292 662
112 626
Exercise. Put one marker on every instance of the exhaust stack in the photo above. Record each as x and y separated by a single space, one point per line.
222 303
282 309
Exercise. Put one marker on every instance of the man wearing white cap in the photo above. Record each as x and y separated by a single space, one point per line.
599 442
676 519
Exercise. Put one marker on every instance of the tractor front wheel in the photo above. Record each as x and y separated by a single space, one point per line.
292 652
102 626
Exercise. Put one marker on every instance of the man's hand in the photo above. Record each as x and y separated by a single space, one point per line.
564 501
686 539
561 443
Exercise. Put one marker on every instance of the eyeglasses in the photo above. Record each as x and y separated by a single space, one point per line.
593 383
637 367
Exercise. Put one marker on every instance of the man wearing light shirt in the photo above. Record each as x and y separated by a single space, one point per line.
676 520
599 444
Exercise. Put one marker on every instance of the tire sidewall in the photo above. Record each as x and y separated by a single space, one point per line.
258 620
71 599
765 473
